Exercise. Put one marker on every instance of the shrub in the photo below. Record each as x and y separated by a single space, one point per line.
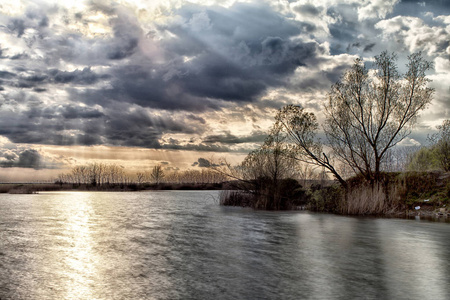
326 199
263 193
236 198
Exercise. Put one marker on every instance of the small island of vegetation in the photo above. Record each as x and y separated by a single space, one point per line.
368 113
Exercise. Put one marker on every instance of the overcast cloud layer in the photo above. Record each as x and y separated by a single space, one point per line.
193 76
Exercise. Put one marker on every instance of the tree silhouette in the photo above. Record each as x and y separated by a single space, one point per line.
157 174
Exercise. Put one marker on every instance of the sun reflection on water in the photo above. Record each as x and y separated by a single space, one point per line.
80 258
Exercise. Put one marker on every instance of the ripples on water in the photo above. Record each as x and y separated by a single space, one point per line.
183 245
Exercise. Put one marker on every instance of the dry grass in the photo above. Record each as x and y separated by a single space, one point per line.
371 200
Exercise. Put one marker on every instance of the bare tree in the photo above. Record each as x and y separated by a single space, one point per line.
140 176
157 174
264 180
301 128
367 114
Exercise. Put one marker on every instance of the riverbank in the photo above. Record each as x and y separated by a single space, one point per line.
32 188
428 211
396 194
425 194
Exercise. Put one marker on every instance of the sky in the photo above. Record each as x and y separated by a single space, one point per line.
140 83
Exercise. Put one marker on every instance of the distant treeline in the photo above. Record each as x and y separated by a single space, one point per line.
100 174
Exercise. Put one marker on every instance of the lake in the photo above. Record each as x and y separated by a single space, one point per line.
183 245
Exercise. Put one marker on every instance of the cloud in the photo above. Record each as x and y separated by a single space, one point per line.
81 87
213 55
414 34
204 163
28 158
83 77
82 125
228 138
308 9
376 9
192 76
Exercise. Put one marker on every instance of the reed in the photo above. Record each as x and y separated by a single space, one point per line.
371 199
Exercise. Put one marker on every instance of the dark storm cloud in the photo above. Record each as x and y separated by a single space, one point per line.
84 77
228 138
35 17
195 147
196 118
18 56
73 112
232 59
35 78
135 84
7 75
54 126
369 47
83 125
234 55
26 158
135 130
204 163
126 36
200 59
121 51
308 9
17 26
345 30
29 158
236 82
39 79
239 52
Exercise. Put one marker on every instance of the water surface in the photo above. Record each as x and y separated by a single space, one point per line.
183 245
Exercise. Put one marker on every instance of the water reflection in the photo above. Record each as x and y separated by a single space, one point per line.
182 245
413 258
79 258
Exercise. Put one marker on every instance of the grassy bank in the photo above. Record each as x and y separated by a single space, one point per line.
409 193
396 193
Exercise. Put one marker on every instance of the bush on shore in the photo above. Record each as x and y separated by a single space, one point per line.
393 193
286 194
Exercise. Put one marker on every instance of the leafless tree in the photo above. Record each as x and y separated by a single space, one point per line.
157 174
301 128
368 112
140 177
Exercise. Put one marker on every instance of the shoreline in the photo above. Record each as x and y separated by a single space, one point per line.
425 210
